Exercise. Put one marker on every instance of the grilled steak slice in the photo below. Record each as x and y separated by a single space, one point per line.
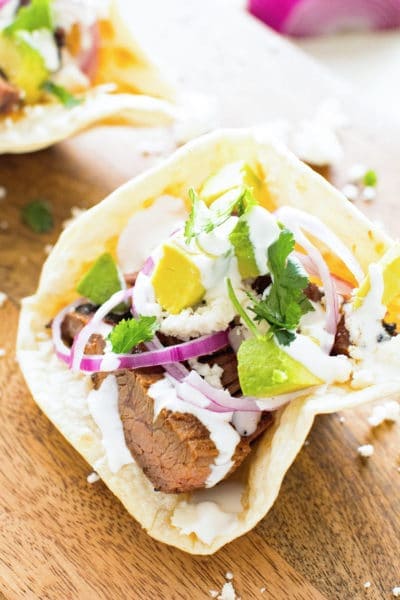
9 96
342 339
73 323
313 292
174 450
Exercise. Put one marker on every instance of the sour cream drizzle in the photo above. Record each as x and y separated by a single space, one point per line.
167 395
103 406
263 231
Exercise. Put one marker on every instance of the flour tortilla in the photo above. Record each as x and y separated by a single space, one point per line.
129 91
62 394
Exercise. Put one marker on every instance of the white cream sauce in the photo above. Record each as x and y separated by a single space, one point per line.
246 422
263 231
146 228
43 41
375 361
210 513
167 395
312 324
328 368
103 406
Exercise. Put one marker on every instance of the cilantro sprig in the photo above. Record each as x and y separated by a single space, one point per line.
130 332
285 302
204 219
62 94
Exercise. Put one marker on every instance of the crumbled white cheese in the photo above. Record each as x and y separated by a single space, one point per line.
368 194
396 591
211 374
367 584
342 420
76 212
351 191
2 352
389 411
228 575
307 443
3 192
357 172
227 592
263 589
3 298
214 593
366 450
92 477
214 316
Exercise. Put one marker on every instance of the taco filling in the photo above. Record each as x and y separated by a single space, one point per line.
55 51
217 310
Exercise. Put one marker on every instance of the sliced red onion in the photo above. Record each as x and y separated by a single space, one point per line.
342 287
176 370
148 266
62 351
298 219
88 57
78 347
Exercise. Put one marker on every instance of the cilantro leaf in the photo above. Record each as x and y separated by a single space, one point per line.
204 219
37 15
63 95
101 281
131 332
285 302
38 216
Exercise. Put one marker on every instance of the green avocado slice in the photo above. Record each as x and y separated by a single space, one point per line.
233 175
244 251
266 370
23 66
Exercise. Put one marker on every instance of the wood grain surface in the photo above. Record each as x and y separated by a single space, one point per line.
336 522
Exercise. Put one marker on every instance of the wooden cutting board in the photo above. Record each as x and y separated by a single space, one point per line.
336 522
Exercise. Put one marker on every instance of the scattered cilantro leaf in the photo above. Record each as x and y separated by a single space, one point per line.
63 95
101 281
285 302
370 178
204 219
131 332
38 216
37 15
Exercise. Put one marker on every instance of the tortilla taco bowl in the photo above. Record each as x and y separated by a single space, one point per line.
195 429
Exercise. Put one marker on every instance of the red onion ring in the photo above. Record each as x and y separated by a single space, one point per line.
298 219
342 287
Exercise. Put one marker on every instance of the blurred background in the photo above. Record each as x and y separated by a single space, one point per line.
358 40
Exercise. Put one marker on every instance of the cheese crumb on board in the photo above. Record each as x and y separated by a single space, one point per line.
229 575
389 411
367 584
396 591
214 593
366 450
227 592
3 298
2 352
263 589
93 477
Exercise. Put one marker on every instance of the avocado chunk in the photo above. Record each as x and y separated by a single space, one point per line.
177 280
390 264
233 175
267 370
244 251
23 65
